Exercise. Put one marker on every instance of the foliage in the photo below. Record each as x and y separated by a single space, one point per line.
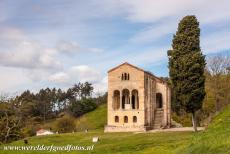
182 118
65 124
10 123
78 108
29 111
186 67
216 139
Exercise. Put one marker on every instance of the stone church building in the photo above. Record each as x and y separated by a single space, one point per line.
137 100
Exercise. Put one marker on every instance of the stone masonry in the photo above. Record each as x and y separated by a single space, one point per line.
137 100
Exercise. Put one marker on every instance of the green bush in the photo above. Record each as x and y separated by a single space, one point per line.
65 124
182 118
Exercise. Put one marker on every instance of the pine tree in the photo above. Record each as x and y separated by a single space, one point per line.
186 67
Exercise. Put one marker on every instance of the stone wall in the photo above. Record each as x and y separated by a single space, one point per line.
147 86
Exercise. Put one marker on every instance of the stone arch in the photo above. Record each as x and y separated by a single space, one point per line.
159 100
116 119
126 120
135 99
134 119
125 98
116 99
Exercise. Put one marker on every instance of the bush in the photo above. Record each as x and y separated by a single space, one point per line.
183 118
65 124
30 130
78 108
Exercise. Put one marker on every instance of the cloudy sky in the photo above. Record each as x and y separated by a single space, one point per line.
57 43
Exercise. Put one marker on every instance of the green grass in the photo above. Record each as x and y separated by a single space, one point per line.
216 139
93 120
113 142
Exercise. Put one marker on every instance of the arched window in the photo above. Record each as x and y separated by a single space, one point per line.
133 102
116 119
125 98
125 76
135 99
126 119
159 102
134 119
116 100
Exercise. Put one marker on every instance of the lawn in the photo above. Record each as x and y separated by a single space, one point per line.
113 142
214 140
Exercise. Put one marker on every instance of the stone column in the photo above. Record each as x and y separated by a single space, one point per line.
120 100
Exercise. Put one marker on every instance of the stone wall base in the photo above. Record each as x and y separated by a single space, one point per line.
126 128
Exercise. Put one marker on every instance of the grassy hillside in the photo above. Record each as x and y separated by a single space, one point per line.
93 120
215 140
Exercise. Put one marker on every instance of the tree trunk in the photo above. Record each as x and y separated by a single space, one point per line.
194 121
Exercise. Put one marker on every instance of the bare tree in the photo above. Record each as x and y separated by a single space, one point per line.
10 125
218 68
218 65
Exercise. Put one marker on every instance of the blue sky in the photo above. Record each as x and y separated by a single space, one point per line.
57 43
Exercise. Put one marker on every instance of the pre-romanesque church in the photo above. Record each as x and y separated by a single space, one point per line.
137 100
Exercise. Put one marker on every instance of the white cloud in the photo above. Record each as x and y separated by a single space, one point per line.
168 13
96 50
101 86
68 47
11 79
17 50
59 77
154 32
81 73
150 11
216 42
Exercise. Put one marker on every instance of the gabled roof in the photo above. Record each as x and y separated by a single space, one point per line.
126 63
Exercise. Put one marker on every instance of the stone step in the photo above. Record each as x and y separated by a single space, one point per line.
158 116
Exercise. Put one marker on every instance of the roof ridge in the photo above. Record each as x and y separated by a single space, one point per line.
126 63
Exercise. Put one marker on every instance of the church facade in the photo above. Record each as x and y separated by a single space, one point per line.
137 100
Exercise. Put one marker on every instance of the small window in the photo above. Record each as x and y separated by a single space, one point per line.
116 119
125 76
125 119
134 119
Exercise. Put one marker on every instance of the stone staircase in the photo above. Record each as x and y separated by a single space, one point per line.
158 119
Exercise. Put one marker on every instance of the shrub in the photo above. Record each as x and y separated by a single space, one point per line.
65 124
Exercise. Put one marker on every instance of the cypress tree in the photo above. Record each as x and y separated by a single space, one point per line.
186 67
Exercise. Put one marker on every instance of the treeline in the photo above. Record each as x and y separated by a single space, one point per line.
20 114
217 88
